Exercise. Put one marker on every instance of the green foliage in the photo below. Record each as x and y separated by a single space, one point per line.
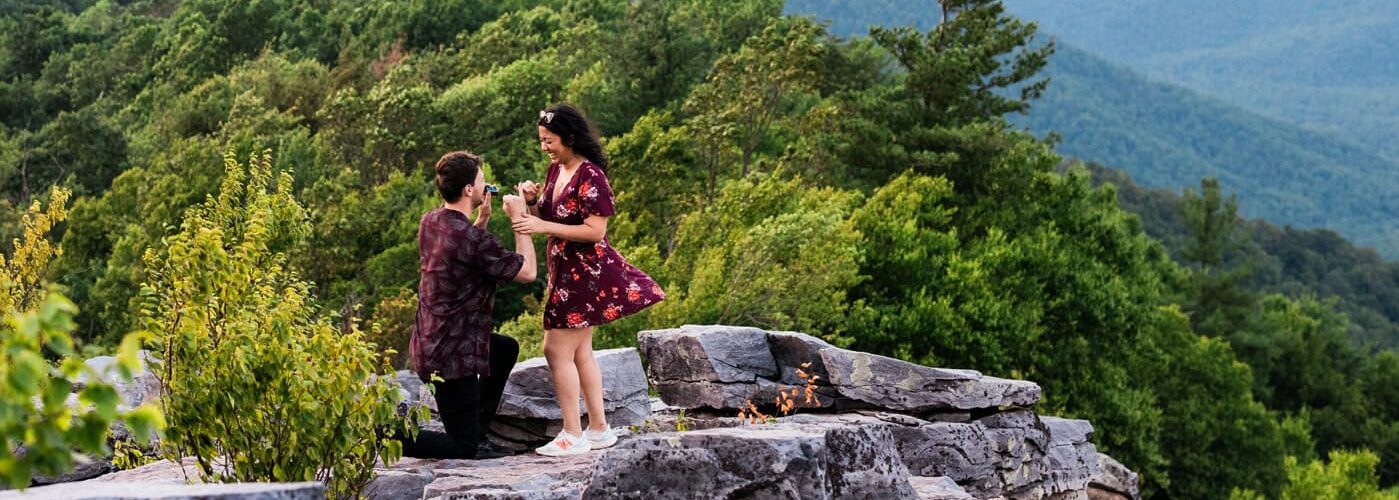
769 252
393 321
744 95
257 386
1284 260
39 428
1214 435
1221 304
494 113
1348 475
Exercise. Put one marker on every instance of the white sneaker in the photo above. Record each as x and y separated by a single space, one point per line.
565 445
601 439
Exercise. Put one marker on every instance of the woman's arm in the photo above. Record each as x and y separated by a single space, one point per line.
592 230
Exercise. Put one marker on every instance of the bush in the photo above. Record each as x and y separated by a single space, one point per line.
258 384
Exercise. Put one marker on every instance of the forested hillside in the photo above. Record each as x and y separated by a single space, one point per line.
768 172
1325 66
1165 135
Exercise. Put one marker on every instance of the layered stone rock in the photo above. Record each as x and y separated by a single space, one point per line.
723 367
525 476
1113 480
766 461
1016 455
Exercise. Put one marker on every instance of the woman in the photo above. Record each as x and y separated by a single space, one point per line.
589 284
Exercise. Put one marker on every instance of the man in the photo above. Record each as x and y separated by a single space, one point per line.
460 265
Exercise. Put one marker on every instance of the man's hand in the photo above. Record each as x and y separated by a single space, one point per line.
483 212
514 206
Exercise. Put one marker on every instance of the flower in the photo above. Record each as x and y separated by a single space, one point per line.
575 320
612 312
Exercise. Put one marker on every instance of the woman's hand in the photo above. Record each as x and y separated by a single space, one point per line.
529 191
529 224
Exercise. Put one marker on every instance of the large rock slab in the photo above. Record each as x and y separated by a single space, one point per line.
1073 459
87 467
725 367
161 491
1013 455
1115 480
530 391
762 461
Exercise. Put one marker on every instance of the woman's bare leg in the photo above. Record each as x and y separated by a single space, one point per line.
590 379
560 346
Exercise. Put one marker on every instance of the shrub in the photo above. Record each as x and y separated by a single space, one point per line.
258 385
35 415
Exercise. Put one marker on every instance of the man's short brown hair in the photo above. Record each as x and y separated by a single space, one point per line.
455 171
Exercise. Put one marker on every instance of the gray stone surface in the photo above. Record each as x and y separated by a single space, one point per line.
522 476
1073 460
1116 478
938 488
891 384
142 491
882 428
763 461
1015 455
724 367
708 353
398 485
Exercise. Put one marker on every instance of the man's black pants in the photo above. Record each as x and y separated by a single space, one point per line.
466 406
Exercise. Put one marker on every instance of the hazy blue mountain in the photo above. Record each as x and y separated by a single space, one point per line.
1168 136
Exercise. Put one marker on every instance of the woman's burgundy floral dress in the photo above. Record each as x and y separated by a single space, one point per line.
589 283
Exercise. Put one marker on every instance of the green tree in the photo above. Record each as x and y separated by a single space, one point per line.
960 69
1221 302
1348 475
769 252
746 93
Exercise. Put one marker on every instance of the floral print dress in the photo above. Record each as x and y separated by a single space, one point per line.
589 283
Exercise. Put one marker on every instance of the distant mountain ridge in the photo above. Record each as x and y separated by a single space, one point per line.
1323 64
1168 136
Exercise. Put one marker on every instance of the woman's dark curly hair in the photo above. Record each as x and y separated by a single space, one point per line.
575 131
